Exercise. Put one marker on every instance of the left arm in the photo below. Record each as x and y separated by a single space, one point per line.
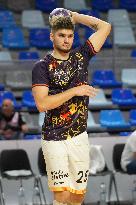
101 27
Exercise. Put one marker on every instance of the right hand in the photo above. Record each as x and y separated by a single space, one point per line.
85 90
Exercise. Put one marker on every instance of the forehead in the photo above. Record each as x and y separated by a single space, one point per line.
65 31
7 102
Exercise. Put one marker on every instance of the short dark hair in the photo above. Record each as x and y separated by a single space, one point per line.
62 23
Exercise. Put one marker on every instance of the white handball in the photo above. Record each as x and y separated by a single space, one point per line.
58 12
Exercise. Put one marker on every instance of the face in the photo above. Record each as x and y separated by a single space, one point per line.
7 107
62 40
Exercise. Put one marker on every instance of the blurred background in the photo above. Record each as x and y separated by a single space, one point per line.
24 39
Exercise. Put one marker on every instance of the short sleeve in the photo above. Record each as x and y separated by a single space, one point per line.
87 50
40 74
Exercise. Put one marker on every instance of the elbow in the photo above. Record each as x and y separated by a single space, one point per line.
108 28
42 108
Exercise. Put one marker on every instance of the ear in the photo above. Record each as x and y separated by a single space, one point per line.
51 36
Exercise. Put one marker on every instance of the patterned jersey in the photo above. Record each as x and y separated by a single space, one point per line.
69 119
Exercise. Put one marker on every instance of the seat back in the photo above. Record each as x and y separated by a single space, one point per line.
41 118
14 159
28 55
103 75
102 5
41 163
47 5
13 38
112 118
124 36
32 19
128 76
40 38
119 17
117 152
5 56
18 6
69 4
99 98
130 5
28 99
6 19
132 118
122 94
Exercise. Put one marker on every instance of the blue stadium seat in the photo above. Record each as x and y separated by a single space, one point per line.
32 136
10 95
125 134
113 119
133 53
89 32
46 6
6 19
1 94
28 100
40 38
123 97
90 12
13 38
76 41
102 5
105 79
28 55
132 117
2 87
130 5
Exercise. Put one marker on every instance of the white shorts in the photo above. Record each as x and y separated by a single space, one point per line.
67 163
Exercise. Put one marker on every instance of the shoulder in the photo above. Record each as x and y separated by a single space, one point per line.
42 63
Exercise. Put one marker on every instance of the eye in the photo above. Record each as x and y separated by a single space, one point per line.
71 36
61 35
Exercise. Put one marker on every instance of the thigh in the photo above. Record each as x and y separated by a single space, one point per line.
56 160
79 163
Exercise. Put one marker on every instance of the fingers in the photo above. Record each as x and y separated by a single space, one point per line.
92 92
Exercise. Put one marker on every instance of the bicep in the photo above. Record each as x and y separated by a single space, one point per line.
39 92
98 38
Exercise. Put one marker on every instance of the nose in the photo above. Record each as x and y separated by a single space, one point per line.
66 40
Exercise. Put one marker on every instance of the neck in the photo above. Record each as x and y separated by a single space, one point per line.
60 55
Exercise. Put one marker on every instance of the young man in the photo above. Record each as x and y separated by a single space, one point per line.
128 158
61 90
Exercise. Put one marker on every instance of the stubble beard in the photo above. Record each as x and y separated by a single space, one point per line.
63 50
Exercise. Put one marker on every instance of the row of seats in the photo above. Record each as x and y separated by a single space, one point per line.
20 80
108 121
20 171
34 55
107 78
122 28
12 169
119 97
105 5
47 6
27 100
13 37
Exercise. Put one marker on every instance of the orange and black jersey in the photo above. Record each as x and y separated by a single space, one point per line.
69 119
